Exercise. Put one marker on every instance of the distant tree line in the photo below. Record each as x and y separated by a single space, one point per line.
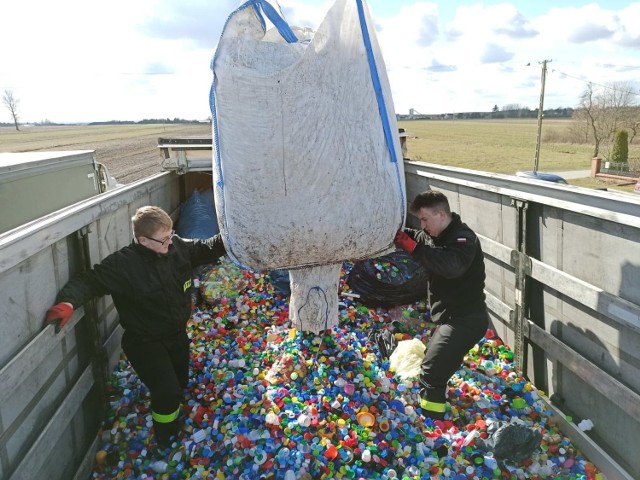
519 111
508 111
148 121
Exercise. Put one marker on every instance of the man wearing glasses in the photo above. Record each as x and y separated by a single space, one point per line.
149 281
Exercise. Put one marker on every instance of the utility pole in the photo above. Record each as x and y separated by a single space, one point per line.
540 110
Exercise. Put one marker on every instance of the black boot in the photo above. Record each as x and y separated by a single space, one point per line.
432 410
166 433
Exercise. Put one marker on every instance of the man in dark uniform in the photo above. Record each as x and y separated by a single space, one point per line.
149 281
451 253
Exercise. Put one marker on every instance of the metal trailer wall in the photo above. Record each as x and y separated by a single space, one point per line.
563 290
51 385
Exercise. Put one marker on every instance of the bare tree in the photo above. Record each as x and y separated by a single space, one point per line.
12 104
631 121
604 110
580 128
513 110
589 111
620 98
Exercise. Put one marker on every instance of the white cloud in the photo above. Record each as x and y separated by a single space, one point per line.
73 60
485 50
628 33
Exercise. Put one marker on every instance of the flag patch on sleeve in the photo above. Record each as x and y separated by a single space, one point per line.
461 240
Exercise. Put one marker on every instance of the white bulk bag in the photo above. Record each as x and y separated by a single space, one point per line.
307 168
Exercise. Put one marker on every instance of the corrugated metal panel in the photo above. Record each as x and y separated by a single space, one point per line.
563 285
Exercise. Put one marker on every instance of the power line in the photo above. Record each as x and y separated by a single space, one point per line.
608 87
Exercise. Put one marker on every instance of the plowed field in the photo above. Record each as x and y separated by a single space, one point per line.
130 152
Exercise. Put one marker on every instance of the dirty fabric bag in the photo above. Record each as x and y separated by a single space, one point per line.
307 167
510 441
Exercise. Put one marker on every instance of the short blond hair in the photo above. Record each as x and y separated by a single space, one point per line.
148 220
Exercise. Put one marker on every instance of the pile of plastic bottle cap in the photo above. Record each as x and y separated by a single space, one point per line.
331 410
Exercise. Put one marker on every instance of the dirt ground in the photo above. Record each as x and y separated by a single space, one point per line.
131 159
130 152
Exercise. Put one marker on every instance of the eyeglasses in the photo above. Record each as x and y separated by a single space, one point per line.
165 239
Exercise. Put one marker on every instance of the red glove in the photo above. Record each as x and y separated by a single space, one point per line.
404 241
60 311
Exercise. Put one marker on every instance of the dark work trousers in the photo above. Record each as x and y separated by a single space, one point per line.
163 366
451 341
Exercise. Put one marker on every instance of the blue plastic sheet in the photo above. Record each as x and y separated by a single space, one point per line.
198 216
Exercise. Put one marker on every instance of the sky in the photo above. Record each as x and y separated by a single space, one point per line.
82 61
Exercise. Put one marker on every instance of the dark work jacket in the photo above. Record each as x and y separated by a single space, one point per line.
150 290
455 263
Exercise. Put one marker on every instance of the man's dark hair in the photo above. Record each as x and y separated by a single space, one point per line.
430 199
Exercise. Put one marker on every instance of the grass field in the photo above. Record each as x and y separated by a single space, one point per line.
502 146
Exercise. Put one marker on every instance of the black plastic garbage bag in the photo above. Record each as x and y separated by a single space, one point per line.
384 340
509 441
281 281
390 280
